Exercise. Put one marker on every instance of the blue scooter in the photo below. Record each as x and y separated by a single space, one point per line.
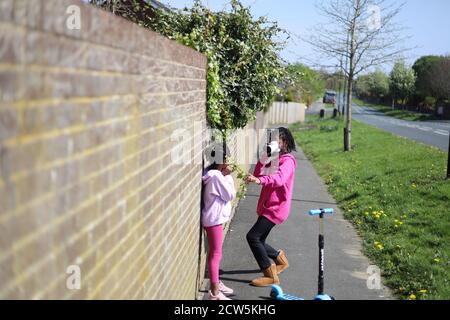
277 293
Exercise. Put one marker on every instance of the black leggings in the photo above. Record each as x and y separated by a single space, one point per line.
256 238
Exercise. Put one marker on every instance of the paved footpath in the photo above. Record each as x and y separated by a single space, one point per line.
345 267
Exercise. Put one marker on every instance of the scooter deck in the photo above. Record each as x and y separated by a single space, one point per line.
277 294
288 297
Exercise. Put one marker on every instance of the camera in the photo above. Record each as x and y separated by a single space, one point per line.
272 146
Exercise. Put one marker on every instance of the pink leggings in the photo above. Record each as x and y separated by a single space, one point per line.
215 239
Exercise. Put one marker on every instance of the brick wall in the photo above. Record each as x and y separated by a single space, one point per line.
86 177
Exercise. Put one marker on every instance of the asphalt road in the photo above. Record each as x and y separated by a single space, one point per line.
434 133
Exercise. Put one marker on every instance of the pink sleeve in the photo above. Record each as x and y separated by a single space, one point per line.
278 179
223 187
258 168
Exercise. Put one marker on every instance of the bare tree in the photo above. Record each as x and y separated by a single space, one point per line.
364 33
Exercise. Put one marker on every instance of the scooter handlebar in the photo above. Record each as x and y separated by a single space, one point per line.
316 212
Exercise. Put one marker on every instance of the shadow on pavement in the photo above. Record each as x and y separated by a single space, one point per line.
239 271
236 280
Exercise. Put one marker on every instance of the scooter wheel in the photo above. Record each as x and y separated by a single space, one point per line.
273 294
323 297
276 291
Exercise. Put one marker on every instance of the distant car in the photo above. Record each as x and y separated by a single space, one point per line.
329 97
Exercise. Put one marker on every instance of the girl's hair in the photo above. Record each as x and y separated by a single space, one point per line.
287 137
219 153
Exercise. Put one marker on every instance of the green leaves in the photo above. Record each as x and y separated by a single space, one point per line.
402 80
244 67
241 175
374 85
302 84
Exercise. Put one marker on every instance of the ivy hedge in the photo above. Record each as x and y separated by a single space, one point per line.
244 66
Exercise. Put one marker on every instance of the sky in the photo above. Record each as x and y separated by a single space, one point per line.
427 23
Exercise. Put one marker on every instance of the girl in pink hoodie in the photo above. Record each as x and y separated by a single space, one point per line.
218 192
273 208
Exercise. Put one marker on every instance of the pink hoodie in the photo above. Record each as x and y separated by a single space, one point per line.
218 191
276 193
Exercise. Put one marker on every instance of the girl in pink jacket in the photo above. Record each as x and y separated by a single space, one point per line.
218 192
273 208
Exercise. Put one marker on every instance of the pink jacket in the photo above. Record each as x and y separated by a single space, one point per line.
276 193
218 191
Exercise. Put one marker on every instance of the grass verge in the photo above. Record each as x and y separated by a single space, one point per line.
399 114
394 191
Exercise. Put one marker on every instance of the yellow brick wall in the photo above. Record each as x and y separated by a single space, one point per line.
86 177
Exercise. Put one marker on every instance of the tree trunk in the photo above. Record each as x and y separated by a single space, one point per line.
348 126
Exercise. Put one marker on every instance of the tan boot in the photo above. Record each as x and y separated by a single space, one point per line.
270 277
281 262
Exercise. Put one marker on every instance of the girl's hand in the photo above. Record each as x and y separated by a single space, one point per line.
252 179
226 170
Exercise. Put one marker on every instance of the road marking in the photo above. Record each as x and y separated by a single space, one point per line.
404 123
442 132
